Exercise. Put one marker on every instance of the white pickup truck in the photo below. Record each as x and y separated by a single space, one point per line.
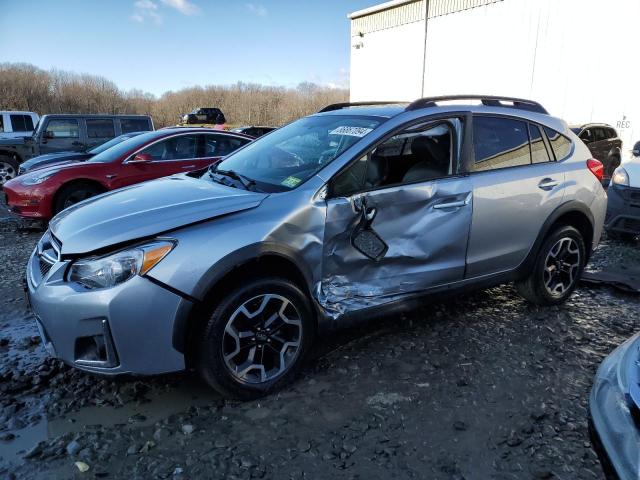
15 124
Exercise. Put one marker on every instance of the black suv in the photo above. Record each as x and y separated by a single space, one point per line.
210 115
604 144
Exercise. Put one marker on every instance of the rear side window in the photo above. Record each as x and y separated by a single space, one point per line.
539 152
220 145
500 143
100 128
612 133
600 134
129 125
21 123
560 144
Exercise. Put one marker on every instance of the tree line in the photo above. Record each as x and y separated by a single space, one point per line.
27 87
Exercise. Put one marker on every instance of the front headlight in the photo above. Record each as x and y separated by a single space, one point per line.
116 268
620 177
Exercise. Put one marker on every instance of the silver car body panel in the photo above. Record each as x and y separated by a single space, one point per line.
145 209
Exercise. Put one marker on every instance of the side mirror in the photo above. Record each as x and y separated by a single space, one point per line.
141 158
48 134
636 150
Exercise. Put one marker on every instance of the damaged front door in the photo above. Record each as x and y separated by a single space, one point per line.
397 220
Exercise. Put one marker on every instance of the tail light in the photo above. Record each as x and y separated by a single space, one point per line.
596 167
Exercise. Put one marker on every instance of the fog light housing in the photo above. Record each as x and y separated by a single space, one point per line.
96 350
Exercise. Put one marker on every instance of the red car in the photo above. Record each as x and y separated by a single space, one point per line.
42 193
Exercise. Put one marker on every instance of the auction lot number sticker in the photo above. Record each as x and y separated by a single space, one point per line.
351 131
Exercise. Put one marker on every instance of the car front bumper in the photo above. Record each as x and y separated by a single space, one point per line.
125 329
623 209
28 201
613 411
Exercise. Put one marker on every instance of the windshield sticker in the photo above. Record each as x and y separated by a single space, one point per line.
291 182
351 131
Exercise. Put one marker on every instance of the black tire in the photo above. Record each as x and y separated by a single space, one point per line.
74 193
534 287
214 340
8 168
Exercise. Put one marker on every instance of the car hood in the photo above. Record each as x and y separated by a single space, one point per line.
58 157
144 210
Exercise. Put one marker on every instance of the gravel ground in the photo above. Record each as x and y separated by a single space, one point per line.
483 387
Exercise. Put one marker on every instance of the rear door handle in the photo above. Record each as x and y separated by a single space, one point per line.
77 144
548 184
188 167
456 204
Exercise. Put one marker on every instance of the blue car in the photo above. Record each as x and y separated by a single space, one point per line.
65 157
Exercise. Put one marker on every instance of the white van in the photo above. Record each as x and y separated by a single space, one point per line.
17 124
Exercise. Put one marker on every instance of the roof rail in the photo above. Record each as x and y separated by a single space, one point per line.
488 100
340 106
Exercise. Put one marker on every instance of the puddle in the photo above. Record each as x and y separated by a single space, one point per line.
189 391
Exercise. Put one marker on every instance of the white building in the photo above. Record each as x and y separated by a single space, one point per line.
576 57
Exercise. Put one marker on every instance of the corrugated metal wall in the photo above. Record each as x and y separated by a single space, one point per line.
411 12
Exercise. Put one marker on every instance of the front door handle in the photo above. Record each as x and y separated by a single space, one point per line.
77 144
455 204
548 184
188 167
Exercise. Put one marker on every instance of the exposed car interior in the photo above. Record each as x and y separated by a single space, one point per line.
412 156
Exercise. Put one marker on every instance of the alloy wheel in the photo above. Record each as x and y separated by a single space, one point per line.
7 172
562 266
262 339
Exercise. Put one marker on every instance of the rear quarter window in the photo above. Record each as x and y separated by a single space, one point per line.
560 144
129 125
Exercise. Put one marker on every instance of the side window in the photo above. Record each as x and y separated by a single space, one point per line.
21 123
100 128
612 133
599 134
417 154
62 128
176 148
128 125
1 123
17 123
539 153
560 144
587 136
28 123
500 143
220 145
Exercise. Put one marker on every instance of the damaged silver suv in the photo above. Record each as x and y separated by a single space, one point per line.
353 211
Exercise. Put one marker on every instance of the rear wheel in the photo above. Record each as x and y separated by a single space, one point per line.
8 168
256 338
557 269
72 194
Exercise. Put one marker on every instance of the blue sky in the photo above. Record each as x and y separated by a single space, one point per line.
160 45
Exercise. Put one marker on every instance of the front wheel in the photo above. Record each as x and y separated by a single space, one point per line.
255 340
557 269
74 193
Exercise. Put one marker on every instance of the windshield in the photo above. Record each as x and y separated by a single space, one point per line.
123 147
114 141
292 154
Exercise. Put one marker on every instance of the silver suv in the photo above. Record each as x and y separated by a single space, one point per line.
354 211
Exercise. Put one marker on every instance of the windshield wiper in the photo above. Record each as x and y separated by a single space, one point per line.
246 182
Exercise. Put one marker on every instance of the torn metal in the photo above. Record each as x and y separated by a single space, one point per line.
383 245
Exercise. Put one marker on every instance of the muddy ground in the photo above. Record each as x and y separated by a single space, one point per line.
482 387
